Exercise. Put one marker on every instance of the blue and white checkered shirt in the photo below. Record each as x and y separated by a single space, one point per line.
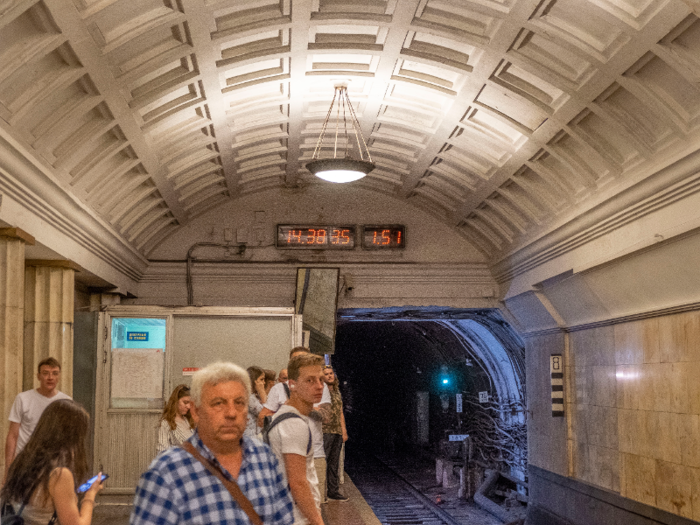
177 488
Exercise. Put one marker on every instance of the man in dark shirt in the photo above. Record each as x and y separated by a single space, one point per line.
334 435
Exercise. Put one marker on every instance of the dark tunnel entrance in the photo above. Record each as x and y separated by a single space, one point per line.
401 370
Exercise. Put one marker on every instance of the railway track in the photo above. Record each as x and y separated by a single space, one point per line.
393 499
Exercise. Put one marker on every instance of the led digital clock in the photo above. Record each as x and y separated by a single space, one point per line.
383 237
315 237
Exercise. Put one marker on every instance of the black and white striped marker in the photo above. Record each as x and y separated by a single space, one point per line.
556 369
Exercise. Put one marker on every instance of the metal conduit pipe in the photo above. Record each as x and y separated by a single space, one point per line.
241 249
190 262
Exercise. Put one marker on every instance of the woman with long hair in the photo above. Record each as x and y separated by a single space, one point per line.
270 380
45 475
258 396
176 423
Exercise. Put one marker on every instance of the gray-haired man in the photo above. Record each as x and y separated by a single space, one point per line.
178 488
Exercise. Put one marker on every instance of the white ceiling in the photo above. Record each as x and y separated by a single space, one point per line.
496 116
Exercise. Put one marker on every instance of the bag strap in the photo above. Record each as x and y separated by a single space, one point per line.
286 389
231 486
282 417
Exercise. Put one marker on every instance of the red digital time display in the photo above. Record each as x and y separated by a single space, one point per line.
316 237
383 237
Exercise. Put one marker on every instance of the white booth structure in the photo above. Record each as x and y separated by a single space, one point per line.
143 352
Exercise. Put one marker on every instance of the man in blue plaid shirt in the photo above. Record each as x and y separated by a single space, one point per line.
178 489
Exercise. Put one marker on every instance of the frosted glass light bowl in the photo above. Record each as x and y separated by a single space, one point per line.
340 170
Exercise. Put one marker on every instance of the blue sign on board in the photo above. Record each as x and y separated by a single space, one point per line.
137 336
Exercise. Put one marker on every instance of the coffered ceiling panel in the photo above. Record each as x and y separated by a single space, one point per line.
499 117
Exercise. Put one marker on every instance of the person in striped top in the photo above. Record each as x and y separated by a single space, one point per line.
176 424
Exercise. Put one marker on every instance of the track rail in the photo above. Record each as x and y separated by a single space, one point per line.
393 499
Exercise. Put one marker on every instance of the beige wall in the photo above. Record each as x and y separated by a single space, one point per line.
256 216
632 421
629 331
651 405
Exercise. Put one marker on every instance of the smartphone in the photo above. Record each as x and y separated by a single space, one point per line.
85 486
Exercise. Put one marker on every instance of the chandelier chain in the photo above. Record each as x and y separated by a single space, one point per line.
323 130
341 96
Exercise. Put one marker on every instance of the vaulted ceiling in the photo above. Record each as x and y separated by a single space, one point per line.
497 116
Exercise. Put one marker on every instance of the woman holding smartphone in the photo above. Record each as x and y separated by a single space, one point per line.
43 478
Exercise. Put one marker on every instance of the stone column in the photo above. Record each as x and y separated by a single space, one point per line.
48 319
12 244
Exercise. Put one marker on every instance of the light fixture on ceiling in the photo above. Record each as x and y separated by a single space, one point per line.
342 167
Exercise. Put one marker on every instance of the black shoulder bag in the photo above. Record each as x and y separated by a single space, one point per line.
9 517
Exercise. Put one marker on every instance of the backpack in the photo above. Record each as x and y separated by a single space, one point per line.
9 517
270 423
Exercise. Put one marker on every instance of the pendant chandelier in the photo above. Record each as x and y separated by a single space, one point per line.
343 166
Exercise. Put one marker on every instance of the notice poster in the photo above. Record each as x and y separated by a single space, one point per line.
137 373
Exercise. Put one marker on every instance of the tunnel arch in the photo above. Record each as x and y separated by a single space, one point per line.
482 335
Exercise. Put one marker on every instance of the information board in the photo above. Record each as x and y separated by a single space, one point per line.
137 373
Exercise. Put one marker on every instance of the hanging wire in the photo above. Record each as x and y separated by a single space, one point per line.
356 125
323 130
341 94
337 121
344 91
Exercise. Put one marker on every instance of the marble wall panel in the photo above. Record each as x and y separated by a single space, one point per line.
629 343
604 467
593 347
627 424
693 371
678 337
638 478
674 488
603 388
650 343
635 426
680 382
695 497
628 386
597 465
633 409
582 463
665 443
583 385
660 385
602 427
579 421
689 439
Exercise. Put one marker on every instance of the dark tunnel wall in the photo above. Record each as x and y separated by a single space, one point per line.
384 357
382 364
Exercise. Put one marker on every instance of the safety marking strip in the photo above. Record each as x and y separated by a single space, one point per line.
556 369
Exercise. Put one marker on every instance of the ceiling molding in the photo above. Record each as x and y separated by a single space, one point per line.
33 186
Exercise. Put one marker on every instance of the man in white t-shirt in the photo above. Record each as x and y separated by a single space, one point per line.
278 396
28 407
290 437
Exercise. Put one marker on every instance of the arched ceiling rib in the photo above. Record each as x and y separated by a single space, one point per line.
497 116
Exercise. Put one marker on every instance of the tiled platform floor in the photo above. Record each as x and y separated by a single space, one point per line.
115 510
